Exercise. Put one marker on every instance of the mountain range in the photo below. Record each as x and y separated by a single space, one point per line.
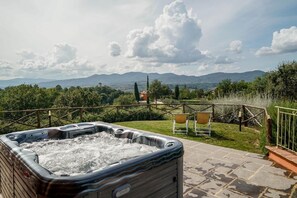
124 81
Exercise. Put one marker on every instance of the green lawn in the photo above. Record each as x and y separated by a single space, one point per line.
226 135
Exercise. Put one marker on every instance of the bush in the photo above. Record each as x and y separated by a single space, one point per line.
113 116
272 111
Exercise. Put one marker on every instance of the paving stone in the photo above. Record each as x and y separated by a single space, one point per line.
192 179
236 155
270 180
245 188
186 188
212 186
219 176
259 161
230 150
271 193
276 171
229 194
218 154
204 167
195 158
223 163
196 193
199 151
252 166
234 160
255 155
223 170
208 169
242 173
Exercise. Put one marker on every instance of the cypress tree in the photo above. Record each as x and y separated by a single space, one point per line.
176 92
136 92
147 90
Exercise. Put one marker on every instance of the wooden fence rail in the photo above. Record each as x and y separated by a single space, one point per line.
252 116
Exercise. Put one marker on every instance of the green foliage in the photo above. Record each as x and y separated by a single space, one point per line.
158 90
125 99
155 89
272 111
176 92
136 92
227 88
26 97
33 97
282 83
185 93
147 89
113 116
263 141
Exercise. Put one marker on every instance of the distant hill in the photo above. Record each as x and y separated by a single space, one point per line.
19 81
126 81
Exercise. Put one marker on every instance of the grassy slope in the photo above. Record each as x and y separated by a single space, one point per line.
226 135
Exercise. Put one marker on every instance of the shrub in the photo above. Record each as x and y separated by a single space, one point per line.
113 116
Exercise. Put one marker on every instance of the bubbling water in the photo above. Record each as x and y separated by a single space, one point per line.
85 153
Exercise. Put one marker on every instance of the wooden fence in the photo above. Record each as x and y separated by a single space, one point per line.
246 115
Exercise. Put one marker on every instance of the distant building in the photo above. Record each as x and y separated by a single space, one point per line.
143 95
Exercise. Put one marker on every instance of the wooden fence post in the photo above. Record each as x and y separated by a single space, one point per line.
49 118
268 128
240 119
184 109
244 115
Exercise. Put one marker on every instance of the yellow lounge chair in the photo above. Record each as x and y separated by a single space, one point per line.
181 118
203 118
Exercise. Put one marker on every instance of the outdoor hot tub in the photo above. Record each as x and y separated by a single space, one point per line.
154 174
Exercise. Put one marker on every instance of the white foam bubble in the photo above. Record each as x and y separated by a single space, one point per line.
85 153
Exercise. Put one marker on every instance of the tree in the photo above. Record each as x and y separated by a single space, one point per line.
224 88
282 83
125 99
136 92
147 90
176 92
185 93
155 89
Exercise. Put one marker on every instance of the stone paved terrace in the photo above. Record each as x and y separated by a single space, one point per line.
218 172
213 171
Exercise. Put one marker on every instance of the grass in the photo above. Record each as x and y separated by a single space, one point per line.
239 100
226 135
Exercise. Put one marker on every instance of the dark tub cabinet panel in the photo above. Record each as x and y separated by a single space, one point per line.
158 174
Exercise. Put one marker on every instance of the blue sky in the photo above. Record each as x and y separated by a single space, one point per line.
76 38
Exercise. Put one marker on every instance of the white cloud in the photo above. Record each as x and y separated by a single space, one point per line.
61 62
284 41
6 69
173 39
26 54
5 66
114 49
235 46
224 60
63 53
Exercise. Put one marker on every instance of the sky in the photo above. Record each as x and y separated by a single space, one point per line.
62 39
